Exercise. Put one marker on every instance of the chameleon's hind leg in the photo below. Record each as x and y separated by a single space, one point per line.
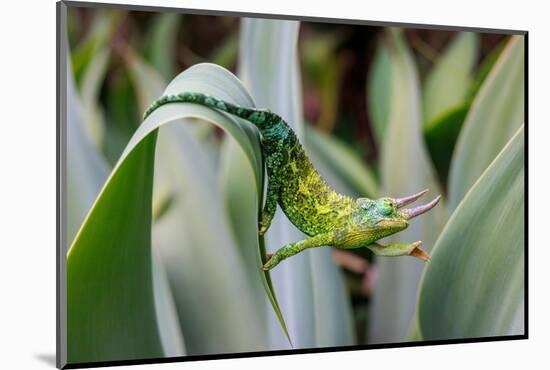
270 206
295 248
399 249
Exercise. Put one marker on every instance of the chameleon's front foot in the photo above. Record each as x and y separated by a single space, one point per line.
400 249
265 221
271 262
419 252
262 229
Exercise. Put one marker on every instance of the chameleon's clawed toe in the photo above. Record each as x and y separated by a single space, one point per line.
419 252
262 229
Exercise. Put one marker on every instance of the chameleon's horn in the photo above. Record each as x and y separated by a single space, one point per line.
413 212
400 202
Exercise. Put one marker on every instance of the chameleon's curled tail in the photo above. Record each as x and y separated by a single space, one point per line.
254 116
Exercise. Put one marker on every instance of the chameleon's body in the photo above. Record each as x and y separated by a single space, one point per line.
329 218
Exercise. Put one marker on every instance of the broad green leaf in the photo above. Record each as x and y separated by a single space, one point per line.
405 169
441 138
170 334
269 66
473 286
111 313
148 86
485 68
110 304
188 245
448 82
345 165
379 91
162 43
87 170
496 113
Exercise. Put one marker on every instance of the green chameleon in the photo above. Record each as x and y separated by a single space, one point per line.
328 218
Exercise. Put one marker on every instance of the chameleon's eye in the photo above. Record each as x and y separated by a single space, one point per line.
386 208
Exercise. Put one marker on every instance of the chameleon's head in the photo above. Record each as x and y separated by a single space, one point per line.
385 216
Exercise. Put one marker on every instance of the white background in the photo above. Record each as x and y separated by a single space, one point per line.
27 183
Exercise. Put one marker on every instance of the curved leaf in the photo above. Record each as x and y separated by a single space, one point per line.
111 313
149 85
473 286
405 169
496 113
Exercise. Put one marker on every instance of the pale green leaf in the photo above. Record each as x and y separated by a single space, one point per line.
496 113
379 91
405 169
87 170
448 82
149 85
111 312
343 168
473 286
169 326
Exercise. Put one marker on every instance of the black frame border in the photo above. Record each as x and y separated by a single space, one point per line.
60 172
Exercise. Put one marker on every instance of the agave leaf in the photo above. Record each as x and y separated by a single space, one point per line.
111 312
485 68
405 170
182 154
379 91
162 43
110 305
269 66
87 170
341 163
448 82
496 113
149 85
169 326
441 136
446 100
473 286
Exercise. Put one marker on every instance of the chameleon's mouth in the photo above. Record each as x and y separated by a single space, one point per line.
409 213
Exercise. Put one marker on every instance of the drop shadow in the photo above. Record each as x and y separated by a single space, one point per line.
47 358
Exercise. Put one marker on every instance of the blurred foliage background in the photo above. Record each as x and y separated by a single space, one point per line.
380 111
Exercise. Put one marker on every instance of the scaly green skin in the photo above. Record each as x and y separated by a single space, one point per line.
329 218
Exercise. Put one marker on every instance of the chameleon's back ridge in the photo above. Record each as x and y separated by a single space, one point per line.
329 218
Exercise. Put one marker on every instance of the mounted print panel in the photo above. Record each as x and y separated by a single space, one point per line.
238 185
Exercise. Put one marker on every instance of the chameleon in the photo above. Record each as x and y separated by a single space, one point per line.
325 216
